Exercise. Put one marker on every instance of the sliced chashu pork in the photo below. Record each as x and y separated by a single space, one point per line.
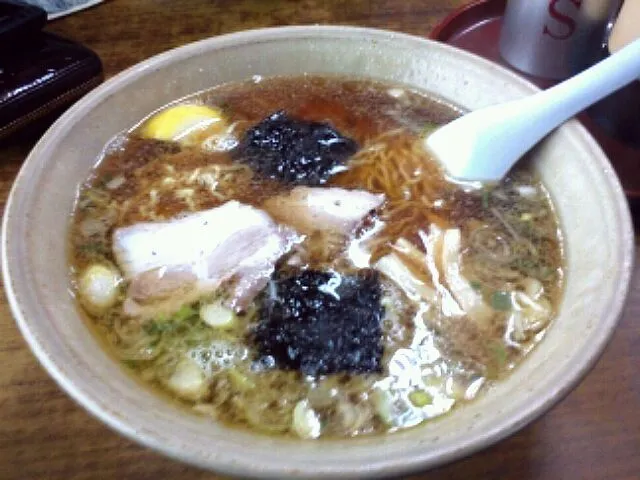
173 263
308 209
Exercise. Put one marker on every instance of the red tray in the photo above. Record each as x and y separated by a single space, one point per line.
476 27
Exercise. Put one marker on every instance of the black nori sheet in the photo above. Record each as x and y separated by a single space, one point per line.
294 151
322 323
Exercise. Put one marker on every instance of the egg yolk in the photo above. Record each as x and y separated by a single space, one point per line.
183 123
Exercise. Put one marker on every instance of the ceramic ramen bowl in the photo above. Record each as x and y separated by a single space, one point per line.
592 209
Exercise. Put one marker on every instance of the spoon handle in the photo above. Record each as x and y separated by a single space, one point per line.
484 144
561 102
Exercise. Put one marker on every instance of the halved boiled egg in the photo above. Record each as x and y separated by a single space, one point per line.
185 123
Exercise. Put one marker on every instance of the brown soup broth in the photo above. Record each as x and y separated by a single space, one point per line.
470 277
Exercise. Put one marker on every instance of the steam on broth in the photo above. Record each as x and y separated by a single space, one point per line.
282 254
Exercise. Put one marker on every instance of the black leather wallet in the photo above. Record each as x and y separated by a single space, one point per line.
40 73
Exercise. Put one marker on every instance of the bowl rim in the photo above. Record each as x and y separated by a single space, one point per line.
500 429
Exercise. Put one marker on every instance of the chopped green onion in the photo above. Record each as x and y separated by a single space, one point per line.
485 199
158 326
500 353
217 316
130 363
169 323
427 128
476 285
152 328
501 301
106 178
239 380
420 398
383 403
306 423
93 248
546 272
184 313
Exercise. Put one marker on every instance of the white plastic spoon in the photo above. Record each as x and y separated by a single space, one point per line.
484 144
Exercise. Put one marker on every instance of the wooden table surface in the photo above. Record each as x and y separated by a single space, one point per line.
592 434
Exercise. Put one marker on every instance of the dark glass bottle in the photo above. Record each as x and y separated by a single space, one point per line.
619 113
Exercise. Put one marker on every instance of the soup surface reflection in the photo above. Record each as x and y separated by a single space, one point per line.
283 255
